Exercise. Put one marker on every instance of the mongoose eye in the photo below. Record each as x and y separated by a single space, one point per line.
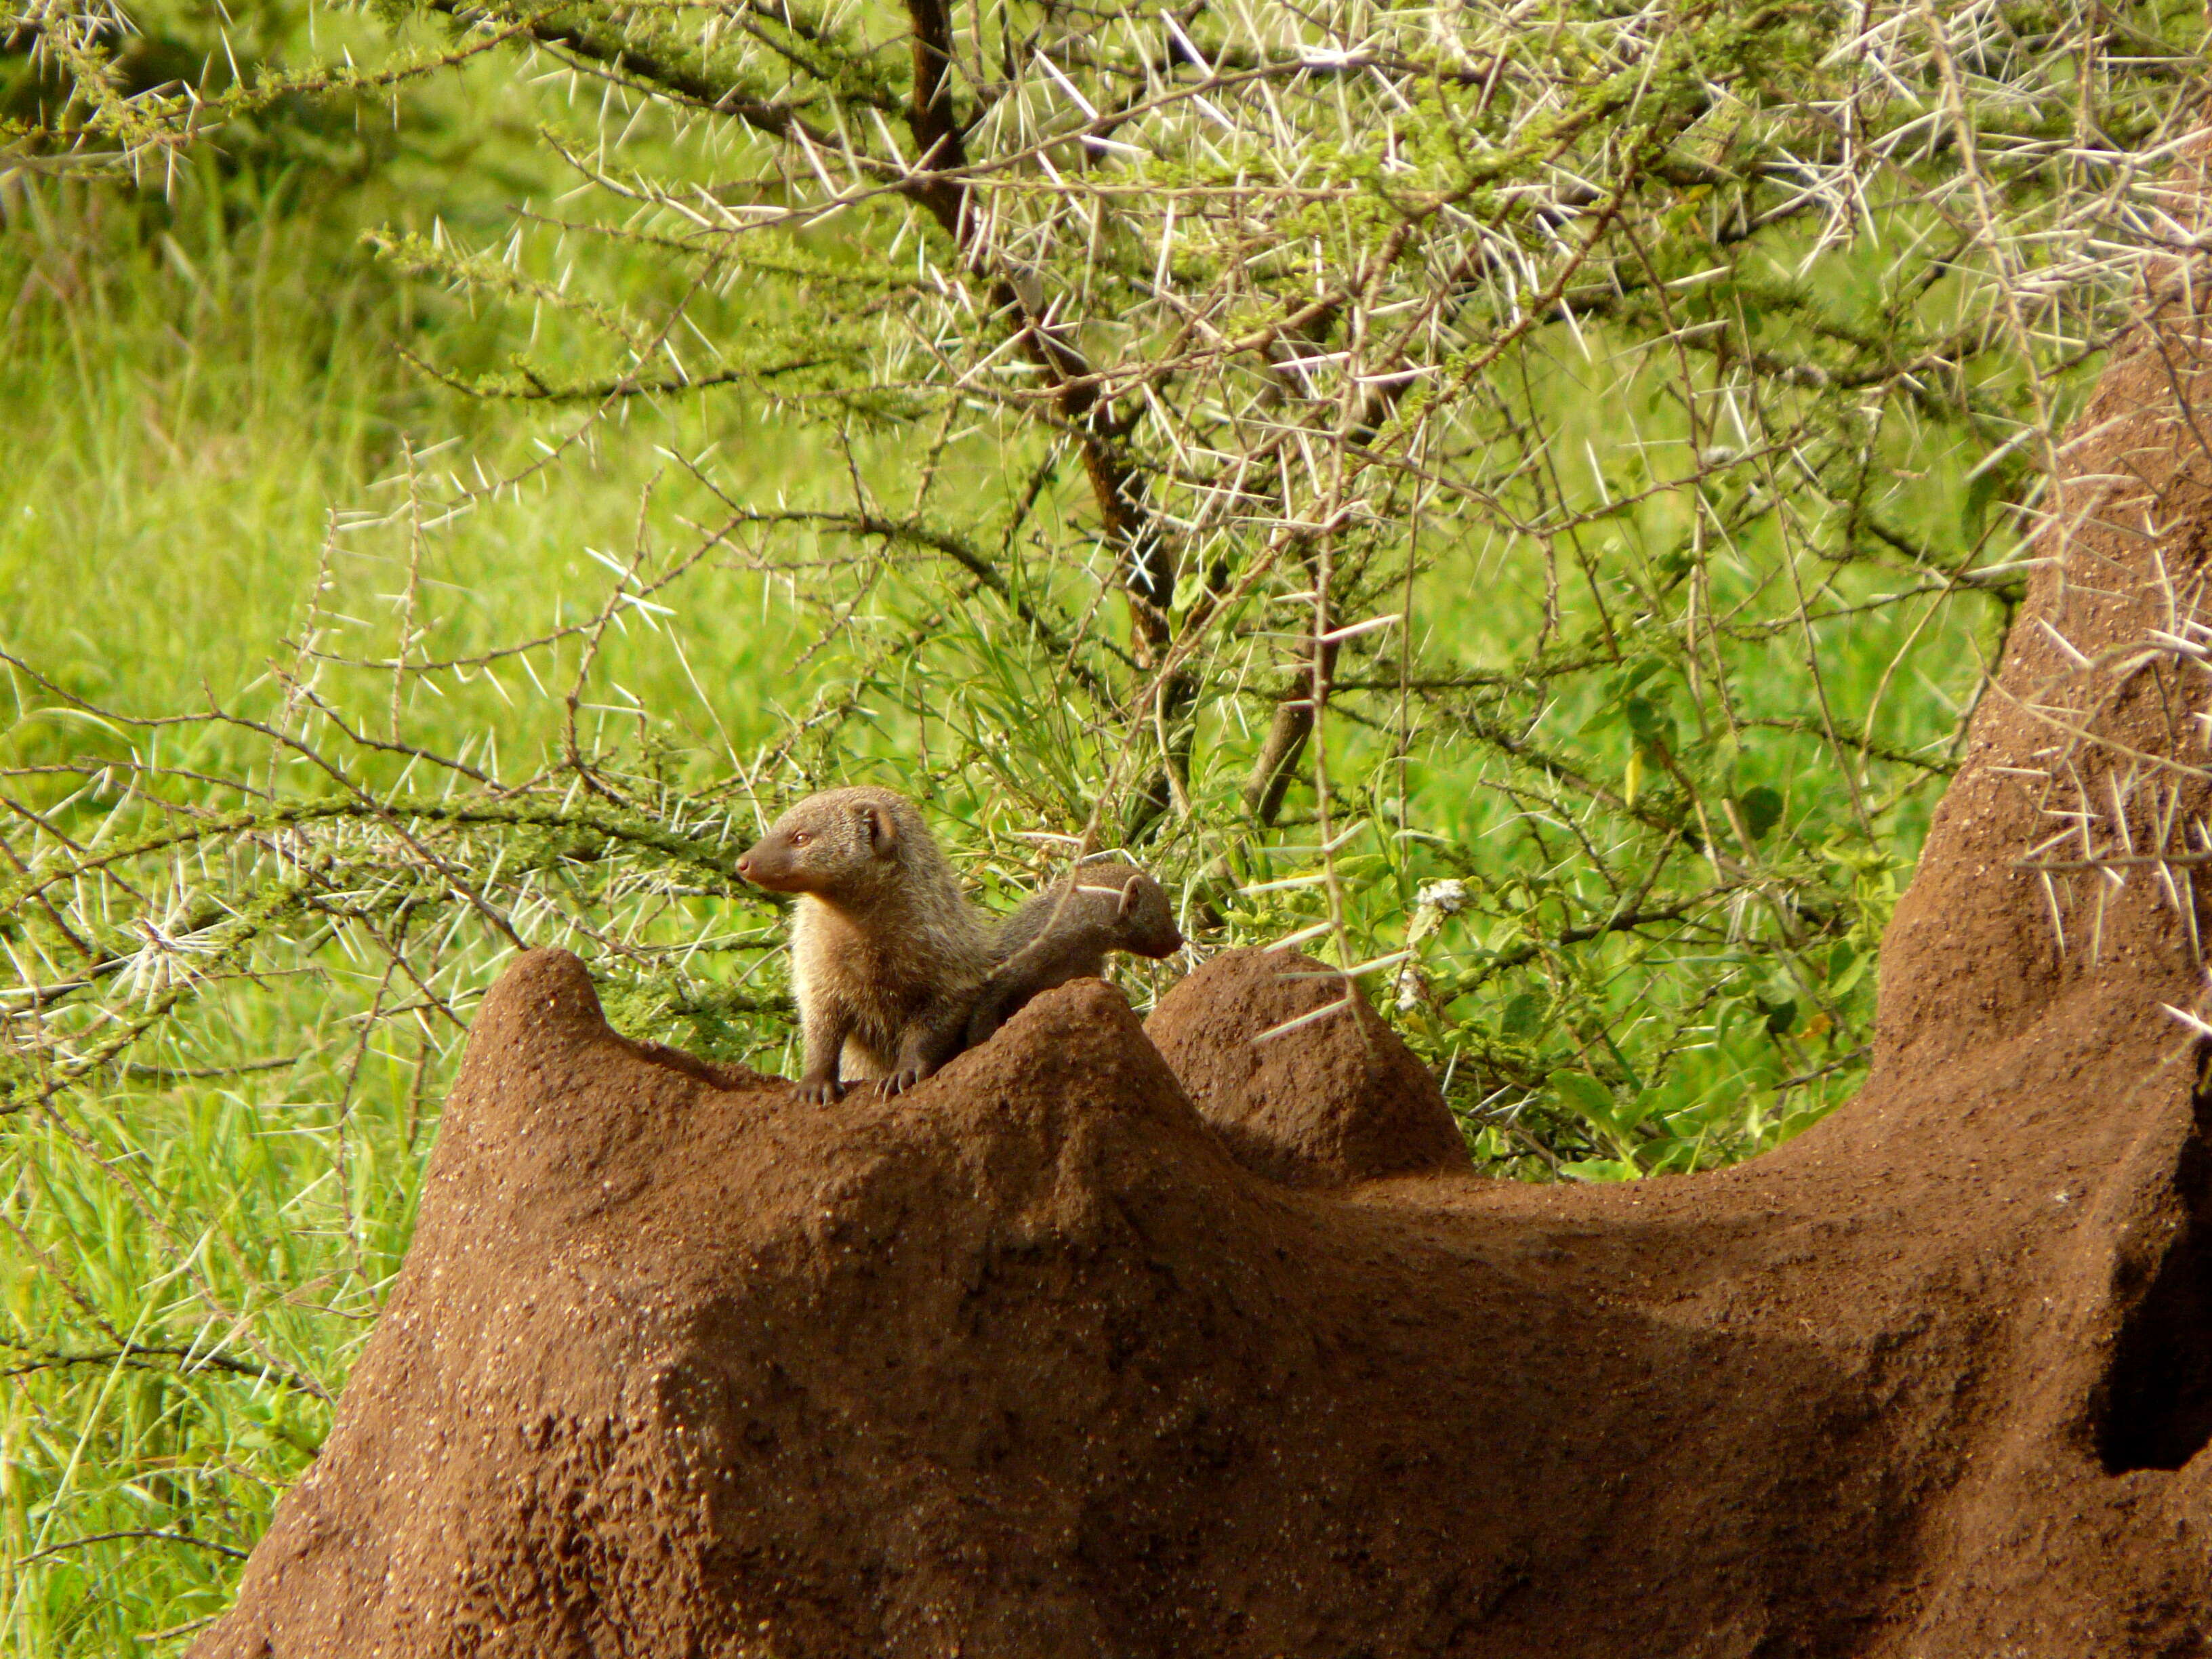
800 837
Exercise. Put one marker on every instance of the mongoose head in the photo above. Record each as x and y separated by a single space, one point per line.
841 843
1143 920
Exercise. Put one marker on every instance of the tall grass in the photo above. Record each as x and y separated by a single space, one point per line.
210 435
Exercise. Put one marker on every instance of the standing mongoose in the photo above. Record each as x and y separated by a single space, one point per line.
1065 932
886 954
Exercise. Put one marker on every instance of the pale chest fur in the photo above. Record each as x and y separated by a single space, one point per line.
882 969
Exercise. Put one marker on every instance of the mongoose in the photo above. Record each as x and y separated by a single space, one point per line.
1065 932
886 954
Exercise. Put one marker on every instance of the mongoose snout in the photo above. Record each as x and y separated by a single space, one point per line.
1144 921
820 847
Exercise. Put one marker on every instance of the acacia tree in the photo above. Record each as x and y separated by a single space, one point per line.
1568 456
1520 499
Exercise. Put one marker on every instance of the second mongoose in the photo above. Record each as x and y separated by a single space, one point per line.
1065 932
886 953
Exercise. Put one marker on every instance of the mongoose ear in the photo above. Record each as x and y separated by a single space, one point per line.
883 834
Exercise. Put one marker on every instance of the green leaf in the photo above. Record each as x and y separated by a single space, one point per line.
1762 811
1648 720
1847 966
1523 1014
1629 679
1601 1169
1638 1108
1586 1095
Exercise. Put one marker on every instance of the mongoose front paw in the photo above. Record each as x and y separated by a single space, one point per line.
821 1092
899 1082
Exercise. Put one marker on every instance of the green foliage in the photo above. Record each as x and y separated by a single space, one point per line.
1517 504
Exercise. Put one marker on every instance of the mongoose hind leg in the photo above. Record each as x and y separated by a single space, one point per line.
998 998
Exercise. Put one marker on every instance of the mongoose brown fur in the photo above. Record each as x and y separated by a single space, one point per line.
886 953
1065 932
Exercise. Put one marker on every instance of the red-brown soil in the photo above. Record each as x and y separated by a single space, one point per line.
1117 1343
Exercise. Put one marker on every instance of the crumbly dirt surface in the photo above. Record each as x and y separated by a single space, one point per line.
1117 1343
1324 1104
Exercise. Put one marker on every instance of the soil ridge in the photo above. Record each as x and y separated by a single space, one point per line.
1125 1341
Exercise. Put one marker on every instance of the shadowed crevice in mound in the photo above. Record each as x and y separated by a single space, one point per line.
2158 1403
1107 1343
